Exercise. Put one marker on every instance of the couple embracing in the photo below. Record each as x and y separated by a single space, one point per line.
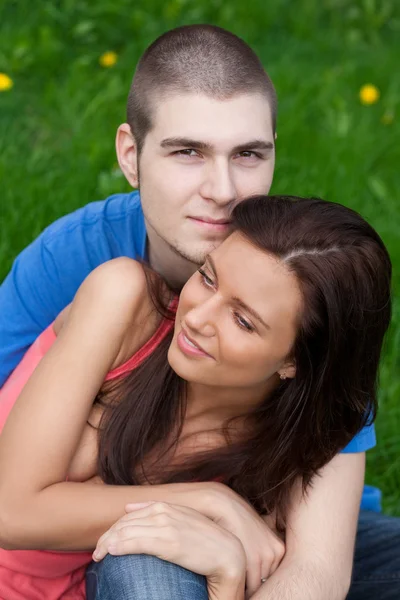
189 371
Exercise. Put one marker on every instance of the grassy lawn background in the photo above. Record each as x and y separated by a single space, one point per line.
57 123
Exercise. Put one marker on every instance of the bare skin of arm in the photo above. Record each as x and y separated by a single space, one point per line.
320 536
38 508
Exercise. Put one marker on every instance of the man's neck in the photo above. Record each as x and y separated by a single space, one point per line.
174 268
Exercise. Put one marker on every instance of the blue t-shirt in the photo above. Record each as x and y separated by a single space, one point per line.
47 274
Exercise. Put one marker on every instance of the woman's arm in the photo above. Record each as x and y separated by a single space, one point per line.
38 508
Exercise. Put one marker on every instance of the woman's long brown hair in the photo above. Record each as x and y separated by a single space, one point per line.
344 272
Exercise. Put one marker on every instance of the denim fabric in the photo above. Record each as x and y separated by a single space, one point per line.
142 577
376 574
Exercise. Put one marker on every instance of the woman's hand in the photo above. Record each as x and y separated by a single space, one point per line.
182 536
263 548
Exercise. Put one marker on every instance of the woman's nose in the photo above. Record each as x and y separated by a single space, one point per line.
201 319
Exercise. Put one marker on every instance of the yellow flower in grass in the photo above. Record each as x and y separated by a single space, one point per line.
6 82
108 59
369 94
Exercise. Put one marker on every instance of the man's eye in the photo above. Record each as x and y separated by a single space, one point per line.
249 154
187 152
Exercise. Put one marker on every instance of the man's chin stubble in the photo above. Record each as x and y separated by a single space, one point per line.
196 259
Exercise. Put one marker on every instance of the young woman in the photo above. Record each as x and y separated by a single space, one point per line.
236 397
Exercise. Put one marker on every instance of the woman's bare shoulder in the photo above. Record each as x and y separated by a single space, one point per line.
122 278
119 284
116 298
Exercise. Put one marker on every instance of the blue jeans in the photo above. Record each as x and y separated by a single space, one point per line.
142 577
376 574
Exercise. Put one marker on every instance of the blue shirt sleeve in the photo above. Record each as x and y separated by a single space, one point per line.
46 275
363 441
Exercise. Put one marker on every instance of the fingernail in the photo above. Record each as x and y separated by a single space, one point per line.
95 556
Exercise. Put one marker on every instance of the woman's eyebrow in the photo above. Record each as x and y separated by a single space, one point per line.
210 261
235 299
250 310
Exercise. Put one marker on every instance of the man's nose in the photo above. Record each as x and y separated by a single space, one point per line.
219 185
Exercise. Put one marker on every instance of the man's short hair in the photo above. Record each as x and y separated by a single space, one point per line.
199 59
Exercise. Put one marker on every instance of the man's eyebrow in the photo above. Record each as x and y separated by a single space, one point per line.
176 142
237 300
253 145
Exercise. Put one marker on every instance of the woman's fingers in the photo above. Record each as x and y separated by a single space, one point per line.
176 534
126 535
259 569
138 511
141 538
253 577
264 550
161 507
148 514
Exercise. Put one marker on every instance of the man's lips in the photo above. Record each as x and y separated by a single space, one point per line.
218 224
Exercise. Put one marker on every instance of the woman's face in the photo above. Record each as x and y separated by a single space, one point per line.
237 319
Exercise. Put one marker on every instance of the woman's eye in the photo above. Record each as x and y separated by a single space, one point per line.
207 281
243 323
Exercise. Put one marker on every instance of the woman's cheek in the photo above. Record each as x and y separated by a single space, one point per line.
193 294
184 299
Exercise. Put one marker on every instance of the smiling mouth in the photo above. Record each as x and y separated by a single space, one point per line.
189 347
188 341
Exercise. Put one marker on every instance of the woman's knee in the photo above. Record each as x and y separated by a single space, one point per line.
143 577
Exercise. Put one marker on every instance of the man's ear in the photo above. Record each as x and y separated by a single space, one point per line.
127 155
288 370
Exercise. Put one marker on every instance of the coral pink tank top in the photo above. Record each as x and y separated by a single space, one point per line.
41 574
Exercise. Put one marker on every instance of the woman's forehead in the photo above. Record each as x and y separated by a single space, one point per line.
258 278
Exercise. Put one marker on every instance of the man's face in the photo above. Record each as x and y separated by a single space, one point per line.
199 160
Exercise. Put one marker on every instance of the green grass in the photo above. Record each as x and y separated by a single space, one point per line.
57 124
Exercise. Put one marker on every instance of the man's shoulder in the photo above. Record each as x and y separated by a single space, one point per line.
71 247
113 212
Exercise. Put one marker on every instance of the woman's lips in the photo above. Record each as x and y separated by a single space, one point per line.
189 347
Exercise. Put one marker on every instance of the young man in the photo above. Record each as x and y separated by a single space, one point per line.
199 137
